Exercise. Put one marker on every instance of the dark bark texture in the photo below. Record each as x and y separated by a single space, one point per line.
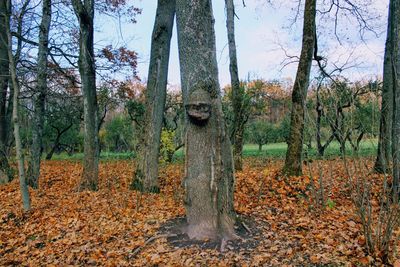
320 113
6 173
395 31
39 97
237 92
146 173
85 14
384 154
293 162
209 170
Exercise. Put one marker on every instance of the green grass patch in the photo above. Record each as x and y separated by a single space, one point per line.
367 148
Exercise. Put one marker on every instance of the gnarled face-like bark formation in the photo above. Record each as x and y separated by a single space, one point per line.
198 107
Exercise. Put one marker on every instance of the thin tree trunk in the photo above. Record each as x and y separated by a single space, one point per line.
384 156
293 162
40 97
18 143
57 140
237 92
209 169
6 173
85 14
395 31
321 147
146 173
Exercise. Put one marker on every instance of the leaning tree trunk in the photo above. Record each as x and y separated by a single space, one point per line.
395 48
146 174
6 173
208 164
293 162
40 97
15 116
237 92
385 129
85 14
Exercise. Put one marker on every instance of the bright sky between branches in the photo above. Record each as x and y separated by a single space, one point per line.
265 36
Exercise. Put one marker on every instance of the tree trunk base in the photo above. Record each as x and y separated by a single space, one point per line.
138 185
88 183
248 234
292 171
380 168
238 163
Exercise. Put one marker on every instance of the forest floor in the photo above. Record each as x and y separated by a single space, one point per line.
287 224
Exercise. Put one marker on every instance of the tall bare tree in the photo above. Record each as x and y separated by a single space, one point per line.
395 51
84 11
237 91
16 117
5 170
146 173
384 154
293 162
39 97
209 170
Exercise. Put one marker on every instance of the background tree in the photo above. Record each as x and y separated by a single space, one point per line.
39 97
16 117
395 51
262 133
293 162
384 154
208 164
6 173
84 11
237 91
146 173
63 118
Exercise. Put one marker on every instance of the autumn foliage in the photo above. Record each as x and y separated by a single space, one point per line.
67 227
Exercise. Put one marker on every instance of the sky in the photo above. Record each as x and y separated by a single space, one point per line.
265 36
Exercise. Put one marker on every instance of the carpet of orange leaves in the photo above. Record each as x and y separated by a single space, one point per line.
66 227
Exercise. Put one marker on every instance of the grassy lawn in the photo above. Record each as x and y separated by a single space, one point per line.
277 150
103 156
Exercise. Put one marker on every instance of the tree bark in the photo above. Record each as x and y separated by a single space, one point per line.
293 162
237 92
56 142
209 178
18 143
385 128
40 97
146 173
85 14
395 50
320 112
6 173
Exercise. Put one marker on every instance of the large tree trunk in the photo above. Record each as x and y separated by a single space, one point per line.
237 92
395 48
293 162
40 97
146 174
85 14
5 169
209 176
385 129
18 143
